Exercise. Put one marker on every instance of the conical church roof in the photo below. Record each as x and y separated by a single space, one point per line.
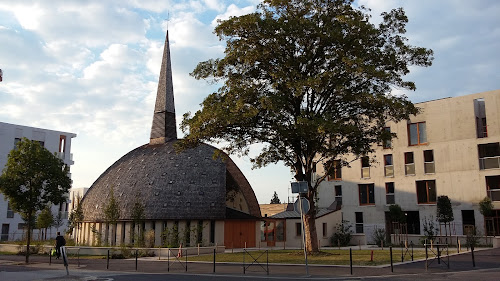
187 185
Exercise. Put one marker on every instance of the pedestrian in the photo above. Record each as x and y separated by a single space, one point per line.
60 241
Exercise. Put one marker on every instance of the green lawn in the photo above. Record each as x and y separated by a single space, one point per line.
333 257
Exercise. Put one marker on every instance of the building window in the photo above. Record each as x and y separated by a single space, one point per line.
338 194
493 187
489 155
5 232
359 222
480 114
335 172
366 194
365 167
426 192
389 193
388 166
298 229
429 162
409 164
16 141
325 230
413 222
417 134
10 212
387 143
21 226
468 221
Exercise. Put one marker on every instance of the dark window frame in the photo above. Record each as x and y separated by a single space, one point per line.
388 194
430 195
366 189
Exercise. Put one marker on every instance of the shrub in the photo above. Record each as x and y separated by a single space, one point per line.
379 236
342 235
430 230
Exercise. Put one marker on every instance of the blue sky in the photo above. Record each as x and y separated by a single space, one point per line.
91 67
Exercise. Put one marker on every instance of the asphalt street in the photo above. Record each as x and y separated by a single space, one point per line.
461 268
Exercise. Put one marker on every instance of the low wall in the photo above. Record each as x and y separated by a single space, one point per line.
102 251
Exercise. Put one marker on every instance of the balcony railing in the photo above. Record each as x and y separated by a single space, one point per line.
389 171
494 194
489 162
410 169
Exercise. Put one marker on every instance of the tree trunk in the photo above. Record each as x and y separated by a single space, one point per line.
311 233
28 240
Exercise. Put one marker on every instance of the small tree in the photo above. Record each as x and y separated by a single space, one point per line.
343 234
275 199
75 218
45 220
58 221
111 214
429 230
444 213
32 179
138 216
486 209
397 214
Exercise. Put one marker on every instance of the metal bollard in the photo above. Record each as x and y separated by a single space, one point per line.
214 260
390 252
136 255
472 252
411 243
107 261
50 256
350 259
186 259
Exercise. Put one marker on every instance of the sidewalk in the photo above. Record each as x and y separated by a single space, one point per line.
485 259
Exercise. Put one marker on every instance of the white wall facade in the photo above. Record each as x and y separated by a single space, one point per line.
56 142
452 136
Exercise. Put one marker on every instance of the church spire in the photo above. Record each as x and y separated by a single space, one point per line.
164 125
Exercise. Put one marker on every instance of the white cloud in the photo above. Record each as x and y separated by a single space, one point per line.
233 11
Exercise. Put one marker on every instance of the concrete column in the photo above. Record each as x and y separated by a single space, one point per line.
158 231
219 232
119 232
128 233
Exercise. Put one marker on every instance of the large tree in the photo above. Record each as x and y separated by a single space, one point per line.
32 179
310 79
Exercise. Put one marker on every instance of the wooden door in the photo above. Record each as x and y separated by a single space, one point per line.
237 233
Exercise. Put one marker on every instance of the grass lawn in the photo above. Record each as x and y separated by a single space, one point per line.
332 257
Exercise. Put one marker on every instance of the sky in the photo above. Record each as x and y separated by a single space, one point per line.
91 67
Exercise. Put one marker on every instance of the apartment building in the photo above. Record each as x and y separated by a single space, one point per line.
451 148
13 226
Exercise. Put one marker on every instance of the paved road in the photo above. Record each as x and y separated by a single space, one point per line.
12 268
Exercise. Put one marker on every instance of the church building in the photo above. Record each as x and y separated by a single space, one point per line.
188 198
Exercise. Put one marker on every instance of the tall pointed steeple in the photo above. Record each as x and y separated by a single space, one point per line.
164 125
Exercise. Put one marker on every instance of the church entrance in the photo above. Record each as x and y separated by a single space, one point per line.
239 233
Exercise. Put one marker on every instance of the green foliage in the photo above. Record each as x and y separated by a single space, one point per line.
472 238
379 236
275 199
75 217
343 234
430 230
112 209
32 179
444 210
309 79
45 218
486 207
58 221
97 235
170 237
396 213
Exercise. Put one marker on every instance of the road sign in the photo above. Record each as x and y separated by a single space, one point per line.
305 205
299 187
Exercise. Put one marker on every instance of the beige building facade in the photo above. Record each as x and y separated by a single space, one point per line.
451 148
